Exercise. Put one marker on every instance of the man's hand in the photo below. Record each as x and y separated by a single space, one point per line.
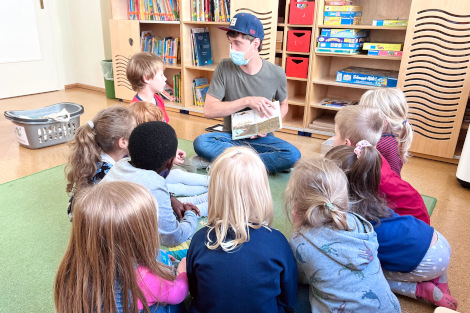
262 105
177 207
191 207
180 156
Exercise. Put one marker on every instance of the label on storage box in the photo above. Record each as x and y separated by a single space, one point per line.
21 135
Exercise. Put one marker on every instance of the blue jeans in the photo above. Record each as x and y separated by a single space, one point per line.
276 154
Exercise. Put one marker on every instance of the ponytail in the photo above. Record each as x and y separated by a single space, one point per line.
405 137
91 139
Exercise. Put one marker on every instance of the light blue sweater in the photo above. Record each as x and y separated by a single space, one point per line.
172 231
342 268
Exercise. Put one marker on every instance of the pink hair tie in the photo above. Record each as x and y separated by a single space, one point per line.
361 145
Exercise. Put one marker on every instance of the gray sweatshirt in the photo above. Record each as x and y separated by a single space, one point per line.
172 231
342 268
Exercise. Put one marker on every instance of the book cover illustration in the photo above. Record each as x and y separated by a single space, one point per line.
249 123
202 45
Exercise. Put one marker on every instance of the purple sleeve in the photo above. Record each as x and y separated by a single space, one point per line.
156 289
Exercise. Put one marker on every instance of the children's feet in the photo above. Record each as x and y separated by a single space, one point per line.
199 162
444 287
429 291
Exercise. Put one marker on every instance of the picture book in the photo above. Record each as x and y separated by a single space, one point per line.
200 88
249 123
168 92
202 44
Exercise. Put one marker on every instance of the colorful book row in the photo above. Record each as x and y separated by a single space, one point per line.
153 10
210 10
166 48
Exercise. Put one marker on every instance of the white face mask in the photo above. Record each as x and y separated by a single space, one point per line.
238 57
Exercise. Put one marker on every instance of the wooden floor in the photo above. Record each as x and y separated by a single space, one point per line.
451 216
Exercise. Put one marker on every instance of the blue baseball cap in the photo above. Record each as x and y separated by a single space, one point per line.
247 24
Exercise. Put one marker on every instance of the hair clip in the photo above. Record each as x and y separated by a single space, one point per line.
329 206
361 145
405 121
91 124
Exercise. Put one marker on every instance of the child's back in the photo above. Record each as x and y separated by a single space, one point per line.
336 250
343 269
237 263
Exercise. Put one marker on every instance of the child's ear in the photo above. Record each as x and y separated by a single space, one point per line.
169 163
348 142
122 143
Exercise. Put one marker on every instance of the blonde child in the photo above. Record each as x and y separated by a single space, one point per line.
250 265
356 123
414 256
145 73
397 134
336 250
97 146
110 264
180 182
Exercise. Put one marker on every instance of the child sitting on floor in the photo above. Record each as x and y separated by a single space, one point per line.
110 264
179 182
97 146
397 134
152 149
237 263
336 250
414 256
356 123
145 73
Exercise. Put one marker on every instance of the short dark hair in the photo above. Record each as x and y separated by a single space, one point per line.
152 144
235 34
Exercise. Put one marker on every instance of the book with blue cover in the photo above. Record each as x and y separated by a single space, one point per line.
202 45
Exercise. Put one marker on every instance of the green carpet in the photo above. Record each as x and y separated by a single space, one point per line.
34 231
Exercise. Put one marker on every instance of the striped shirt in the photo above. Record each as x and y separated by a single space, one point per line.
388 148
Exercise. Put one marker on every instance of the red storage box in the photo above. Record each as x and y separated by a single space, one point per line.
298 40
301 12
297 67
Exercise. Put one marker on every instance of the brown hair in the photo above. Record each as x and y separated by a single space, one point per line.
364 179
239 197
318 192
357 123
392 103
110 125
114 230
235 34
143 65
146 112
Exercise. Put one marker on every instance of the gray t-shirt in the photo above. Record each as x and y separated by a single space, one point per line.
231 83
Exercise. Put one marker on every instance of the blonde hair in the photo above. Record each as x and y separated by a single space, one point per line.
392 103
109 125
114 230
239 197
357 123
146 112
317 192
143 65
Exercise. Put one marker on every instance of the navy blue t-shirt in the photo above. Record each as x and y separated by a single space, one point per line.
403 242
258 276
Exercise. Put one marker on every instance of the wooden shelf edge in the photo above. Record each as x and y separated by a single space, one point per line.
298 79
158 22
324 107
364 27
331 81
210 67
206 23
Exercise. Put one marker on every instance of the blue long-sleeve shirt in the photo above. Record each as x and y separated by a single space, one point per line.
172 231
258 276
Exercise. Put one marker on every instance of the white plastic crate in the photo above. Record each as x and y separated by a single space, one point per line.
45 127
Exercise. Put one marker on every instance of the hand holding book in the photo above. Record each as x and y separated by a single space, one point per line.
250 123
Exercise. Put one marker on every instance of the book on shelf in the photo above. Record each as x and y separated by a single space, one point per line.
325 123
201 46
397 22
249 123
166 48
200 88
177 87
337 102
168 92
210 10
153 10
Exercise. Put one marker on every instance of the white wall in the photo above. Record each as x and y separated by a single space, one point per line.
80 26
